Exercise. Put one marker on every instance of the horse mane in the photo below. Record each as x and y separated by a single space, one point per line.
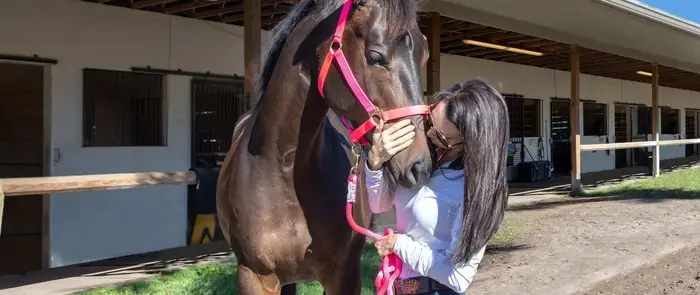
399 15
280 33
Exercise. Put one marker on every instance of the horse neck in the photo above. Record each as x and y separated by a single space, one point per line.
292 116
293 112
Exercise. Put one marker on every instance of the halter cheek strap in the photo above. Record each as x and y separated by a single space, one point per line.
335 53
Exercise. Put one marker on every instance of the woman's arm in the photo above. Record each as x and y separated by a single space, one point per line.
379 199
437 264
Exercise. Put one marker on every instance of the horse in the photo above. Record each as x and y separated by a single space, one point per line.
281 192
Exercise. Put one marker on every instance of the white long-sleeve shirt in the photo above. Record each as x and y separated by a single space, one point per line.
430 220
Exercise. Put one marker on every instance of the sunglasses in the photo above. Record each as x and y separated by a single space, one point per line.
440 135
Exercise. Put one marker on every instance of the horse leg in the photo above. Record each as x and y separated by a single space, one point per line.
252 283
290 289
346 279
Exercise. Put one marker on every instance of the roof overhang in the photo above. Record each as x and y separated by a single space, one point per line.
626 28
619 44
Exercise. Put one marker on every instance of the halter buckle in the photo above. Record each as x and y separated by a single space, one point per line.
376 116
336 45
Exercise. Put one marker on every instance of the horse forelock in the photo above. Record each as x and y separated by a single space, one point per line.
401 15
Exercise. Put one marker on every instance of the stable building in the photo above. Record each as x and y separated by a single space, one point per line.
113 86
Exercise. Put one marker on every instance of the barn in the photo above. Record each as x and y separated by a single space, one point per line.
117 86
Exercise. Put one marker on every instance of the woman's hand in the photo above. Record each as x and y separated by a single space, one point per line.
387 142
385 245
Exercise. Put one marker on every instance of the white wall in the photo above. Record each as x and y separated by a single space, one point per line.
96 225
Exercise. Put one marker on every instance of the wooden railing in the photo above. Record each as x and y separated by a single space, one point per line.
636 144
13 187
26 186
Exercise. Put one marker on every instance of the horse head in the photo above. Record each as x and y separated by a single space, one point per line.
370 71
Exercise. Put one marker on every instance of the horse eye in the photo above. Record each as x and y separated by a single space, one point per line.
376 58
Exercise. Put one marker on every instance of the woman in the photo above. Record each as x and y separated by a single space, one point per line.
444 226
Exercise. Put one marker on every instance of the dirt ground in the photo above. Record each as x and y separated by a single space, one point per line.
574 246
677 273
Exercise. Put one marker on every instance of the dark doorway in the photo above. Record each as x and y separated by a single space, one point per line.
22 155
690 132
216 106
561 136
640 156
623 131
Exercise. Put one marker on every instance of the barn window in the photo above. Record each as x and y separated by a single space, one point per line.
524 115
670 121
122 108
595 119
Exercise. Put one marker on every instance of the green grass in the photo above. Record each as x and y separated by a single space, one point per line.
220 279
505 235
682 184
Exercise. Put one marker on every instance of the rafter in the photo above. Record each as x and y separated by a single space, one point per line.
452 32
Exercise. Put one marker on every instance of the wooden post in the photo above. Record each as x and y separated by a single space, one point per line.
574 58
433 36
251 47
2 206
655 119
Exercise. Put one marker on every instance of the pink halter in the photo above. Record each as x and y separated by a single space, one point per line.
390 267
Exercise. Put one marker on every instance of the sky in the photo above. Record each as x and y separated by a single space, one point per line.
687 9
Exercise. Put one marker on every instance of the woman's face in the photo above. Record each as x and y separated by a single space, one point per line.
444 135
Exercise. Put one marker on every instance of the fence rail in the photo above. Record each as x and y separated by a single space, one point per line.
26 186
94 182
636 144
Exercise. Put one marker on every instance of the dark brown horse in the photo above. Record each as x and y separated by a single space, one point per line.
282 187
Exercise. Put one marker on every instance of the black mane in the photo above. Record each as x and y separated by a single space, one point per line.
280 33
399 16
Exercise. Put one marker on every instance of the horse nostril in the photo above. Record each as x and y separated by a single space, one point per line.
416 174
417 168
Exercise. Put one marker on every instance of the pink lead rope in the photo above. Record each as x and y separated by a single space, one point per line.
391 264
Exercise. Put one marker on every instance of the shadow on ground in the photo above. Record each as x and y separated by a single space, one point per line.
498 249
165 261
562 185
643 196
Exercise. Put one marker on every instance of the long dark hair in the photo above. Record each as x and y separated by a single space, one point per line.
481 115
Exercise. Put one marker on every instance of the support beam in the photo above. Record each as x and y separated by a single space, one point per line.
433 68
574 122
251 49
655 119
2 206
